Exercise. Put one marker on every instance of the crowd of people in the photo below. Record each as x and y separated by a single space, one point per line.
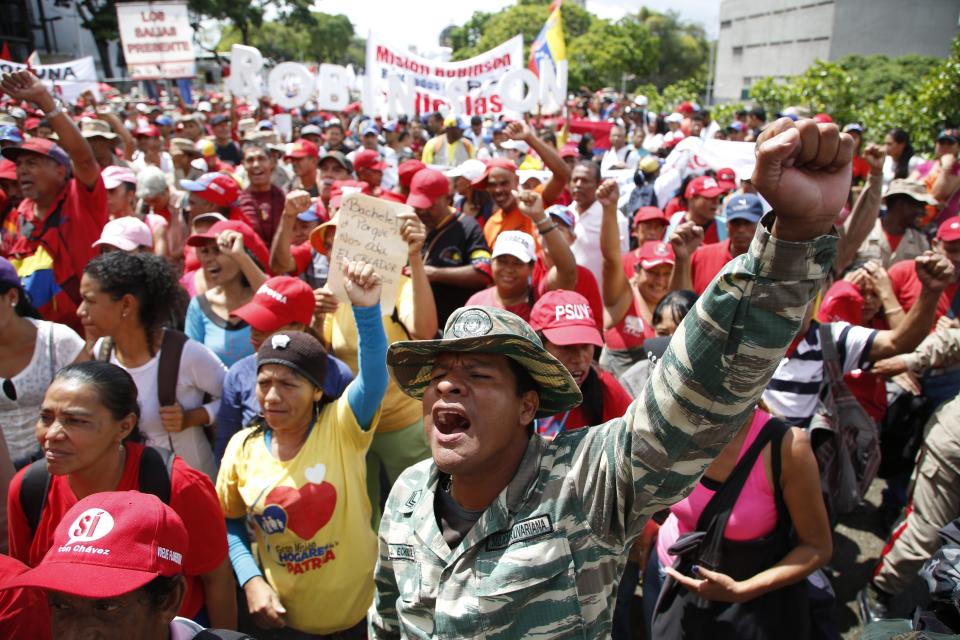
590 412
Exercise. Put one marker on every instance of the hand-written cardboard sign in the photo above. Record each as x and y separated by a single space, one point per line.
368 229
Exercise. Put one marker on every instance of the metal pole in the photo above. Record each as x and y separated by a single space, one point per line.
43 23
712 77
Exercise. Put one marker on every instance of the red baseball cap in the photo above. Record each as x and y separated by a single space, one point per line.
303 149
495 163
368 159
215 187
565 318
704 186
654 253
823 118
646 214
110 544
278 302
8 170
686 108
426 187
39 146
949 229
149 131
408 169
569 151
727 178
251 241
843 301
392 196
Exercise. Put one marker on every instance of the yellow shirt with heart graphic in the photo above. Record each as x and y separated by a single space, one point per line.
311 517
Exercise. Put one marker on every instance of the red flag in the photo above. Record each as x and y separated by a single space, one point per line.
5 52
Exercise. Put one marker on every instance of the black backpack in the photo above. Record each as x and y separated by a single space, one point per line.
156 469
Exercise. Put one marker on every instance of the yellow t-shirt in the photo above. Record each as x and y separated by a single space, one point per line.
340 331
311 517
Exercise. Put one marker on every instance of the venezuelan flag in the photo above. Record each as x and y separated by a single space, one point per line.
549 44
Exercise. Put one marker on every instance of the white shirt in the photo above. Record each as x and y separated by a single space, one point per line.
200 372
586 248
625 157
166 163
793 391
890 166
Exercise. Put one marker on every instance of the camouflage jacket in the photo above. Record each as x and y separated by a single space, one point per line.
940 349
545 558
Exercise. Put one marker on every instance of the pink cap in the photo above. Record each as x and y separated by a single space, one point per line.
113 176
127 234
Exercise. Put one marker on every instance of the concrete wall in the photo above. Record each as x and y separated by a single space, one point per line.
778 38
894 27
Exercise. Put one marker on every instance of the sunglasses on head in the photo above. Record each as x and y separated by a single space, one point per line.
9 390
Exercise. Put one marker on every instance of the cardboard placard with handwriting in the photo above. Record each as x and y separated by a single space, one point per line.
368 229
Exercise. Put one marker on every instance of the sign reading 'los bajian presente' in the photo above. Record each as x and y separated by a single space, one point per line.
157 39
368 229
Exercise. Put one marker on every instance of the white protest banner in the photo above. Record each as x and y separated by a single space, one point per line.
694 156
67 80
420 85
368 229
157 39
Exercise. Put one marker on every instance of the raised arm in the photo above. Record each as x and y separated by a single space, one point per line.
865 211
939 349
615 288
422 323
231 243
685 239
23 85
935 273
946 182
365 393
563 273
105 113
281 259
727 348
560 171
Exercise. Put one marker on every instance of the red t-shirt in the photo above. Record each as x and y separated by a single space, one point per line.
302 255
709 232
893 240
706 262
615 402
673 206
906 286
586 286
192 496
488 298
60 248
630 332
861 168
261 210
24 613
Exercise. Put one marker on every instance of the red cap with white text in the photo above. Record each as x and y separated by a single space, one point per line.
110 544
565 318
278 302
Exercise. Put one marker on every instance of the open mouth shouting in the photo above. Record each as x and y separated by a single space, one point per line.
450 422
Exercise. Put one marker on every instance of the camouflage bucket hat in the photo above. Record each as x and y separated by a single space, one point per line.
486 330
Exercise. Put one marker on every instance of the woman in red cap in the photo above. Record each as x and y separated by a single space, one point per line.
233 259
88 427
629 302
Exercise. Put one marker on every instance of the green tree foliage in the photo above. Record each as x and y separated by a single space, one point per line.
320 37
878 76
247 17
646 47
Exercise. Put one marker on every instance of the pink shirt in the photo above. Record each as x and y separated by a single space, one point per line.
754 515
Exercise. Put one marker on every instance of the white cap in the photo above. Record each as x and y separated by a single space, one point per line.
151 181
204 106
519 145
517 244
127 233
311 130
674 117
471 169
640 100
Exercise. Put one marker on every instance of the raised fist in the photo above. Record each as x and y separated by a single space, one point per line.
685 239
935 271
803 170
608 193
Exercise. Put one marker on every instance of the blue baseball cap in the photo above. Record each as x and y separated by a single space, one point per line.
312 214
265 125
744 206
164 121
9 133
563 215
369 128
392 126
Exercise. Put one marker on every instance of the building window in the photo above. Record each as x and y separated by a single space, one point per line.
738 51
724 24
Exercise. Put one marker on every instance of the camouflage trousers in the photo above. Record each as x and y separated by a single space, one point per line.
934 502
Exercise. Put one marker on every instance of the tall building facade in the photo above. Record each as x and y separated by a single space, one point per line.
779 38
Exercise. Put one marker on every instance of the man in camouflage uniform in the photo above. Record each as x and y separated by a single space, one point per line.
507 535
935 496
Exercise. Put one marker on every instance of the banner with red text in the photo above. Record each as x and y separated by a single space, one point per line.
468 87
66 80
157 39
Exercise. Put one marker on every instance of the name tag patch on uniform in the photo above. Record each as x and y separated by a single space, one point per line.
401 552
524 530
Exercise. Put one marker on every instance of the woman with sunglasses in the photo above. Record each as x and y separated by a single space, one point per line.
31 352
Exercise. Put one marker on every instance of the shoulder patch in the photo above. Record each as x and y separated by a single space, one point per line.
524 530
